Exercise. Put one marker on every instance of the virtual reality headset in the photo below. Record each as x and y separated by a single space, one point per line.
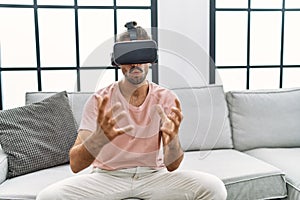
134 52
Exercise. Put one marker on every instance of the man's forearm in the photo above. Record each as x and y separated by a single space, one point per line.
83 154
173 154
95 142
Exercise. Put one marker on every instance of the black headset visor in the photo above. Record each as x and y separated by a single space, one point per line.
134 52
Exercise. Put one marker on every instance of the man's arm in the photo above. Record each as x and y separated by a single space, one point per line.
88 144
173 153
85 150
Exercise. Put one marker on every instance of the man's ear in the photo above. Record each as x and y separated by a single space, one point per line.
122 69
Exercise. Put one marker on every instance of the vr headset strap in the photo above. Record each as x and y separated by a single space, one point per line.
131 30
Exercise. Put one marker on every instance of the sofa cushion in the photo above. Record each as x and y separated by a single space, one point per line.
206 123
244 176
37 136
29 185
3 165
76 99
288 160
265 118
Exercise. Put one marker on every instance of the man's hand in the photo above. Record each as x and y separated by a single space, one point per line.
173 153
170 124
107 120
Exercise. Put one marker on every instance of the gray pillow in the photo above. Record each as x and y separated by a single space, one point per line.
265 118
38 135
77 101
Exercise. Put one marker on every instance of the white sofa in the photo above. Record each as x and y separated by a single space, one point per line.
249 139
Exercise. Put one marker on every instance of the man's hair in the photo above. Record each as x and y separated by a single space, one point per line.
141 34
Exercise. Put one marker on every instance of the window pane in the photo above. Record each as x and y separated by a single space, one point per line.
56 81
16 2
17 37
266 3
231 3
92 80
57 37
291 38
133 2
55 2
231 38
292 4
264 78
291 77
15 85
232 79
141 16
95 2
96 31
265 38
107 77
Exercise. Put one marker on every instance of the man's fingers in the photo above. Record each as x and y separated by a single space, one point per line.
175 120
161 113
177 113
111 111
166 130
177 103
115 107
102 102
120 116
125 129
100 114
113 121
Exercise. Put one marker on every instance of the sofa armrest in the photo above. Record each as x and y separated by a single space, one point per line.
3 165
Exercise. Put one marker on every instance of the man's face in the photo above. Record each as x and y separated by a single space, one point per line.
135 73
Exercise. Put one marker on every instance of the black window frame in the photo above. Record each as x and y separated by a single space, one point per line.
35 6
248 66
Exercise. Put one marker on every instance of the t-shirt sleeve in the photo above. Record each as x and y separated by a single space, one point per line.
89 115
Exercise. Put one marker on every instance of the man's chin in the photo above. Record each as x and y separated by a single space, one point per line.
135 80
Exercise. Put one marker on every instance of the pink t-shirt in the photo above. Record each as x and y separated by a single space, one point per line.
141 147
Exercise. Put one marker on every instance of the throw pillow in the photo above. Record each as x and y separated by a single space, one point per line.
38 135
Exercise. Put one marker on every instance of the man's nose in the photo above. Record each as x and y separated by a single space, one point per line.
135 65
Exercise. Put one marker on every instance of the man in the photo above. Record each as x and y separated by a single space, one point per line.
129 134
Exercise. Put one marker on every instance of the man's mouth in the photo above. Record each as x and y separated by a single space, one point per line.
135 70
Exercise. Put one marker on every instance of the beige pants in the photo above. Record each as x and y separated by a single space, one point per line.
140 182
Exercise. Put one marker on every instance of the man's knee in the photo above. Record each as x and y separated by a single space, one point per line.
220 191
49 193
215 189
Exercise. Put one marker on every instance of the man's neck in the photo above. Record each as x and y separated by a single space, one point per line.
134 94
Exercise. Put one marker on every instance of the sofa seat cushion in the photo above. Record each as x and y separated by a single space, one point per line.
29 185
244 176
288 160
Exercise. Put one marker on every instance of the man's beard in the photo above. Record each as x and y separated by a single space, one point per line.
135 80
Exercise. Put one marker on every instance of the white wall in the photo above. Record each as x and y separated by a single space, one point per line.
183 42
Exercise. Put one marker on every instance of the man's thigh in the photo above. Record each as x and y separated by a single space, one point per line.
181 185
88 186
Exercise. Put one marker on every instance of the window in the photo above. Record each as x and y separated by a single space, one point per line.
55 45
253 43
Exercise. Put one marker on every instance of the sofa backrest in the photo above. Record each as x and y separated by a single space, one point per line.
265 118
76 99
205 124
